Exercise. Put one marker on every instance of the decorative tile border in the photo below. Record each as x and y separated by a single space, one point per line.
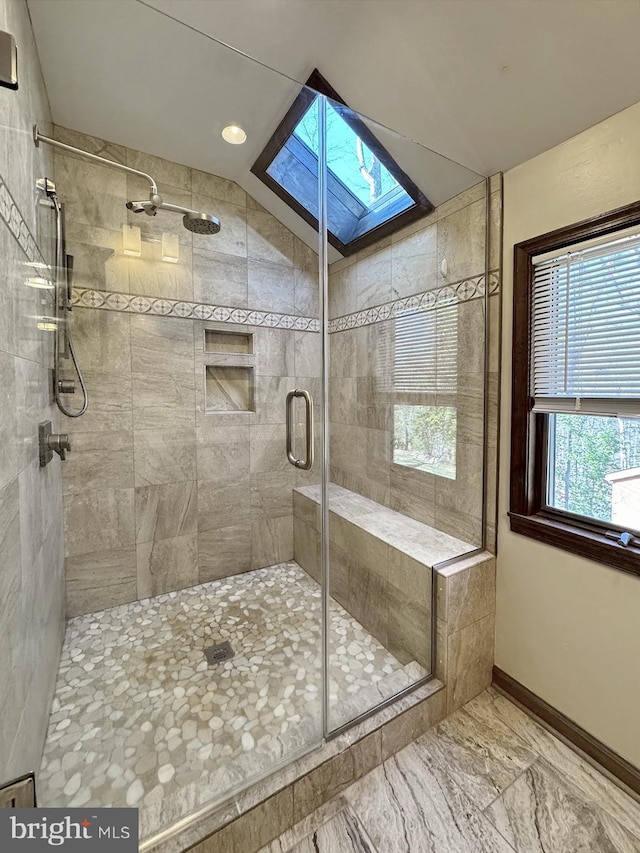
131 303
462 291
429 300
12 217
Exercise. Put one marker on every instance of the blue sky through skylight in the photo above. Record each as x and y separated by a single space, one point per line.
342 155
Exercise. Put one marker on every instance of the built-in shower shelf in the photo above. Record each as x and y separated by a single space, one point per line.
229 388
215 359
221 341
229 371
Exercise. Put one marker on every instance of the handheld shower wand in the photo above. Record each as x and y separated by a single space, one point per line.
62 306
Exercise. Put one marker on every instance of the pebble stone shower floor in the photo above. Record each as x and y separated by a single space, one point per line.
140 718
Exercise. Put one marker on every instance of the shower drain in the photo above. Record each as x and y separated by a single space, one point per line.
219 653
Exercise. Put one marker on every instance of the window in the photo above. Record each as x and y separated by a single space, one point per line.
575 466
368 194
424 387
424 437
593 468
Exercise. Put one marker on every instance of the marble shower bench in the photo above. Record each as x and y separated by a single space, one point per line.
383 568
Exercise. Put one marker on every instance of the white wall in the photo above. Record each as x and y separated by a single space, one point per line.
568 628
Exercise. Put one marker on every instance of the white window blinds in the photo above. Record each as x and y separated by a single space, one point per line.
426 352
586 330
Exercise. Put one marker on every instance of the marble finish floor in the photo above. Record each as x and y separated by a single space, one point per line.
488 779
141 719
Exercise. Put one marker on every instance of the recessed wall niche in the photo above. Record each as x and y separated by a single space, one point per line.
229 368
219 341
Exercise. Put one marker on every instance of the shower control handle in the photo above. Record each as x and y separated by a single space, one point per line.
67 386
52 442
307 462
59 443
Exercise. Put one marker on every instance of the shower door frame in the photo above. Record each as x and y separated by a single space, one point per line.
323 280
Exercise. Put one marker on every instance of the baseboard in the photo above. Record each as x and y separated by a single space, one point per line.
613 763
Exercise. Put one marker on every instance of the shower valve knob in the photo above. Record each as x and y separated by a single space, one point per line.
59 443
67 386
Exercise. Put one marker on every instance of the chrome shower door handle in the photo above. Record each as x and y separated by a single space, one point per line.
306 463
310 442
289 410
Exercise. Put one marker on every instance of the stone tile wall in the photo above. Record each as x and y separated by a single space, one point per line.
31 531
160 494
361 394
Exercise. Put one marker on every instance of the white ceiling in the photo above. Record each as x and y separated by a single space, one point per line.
488 83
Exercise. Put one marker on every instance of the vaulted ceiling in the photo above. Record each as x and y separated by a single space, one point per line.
487 83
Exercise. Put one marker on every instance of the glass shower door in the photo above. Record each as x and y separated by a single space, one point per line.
406 406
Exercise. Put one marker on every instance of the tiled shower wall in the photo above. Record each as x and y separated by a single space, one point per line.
31 531
158 494
361 396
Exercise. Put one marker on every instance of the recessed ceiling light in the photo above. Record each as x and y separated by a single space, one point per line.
234 134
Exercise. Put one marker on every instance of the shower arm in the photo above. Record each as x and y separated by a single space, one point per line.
177 208
38 138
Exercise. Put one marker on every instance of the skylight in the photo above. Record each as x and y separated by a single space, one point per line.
368 195
348 157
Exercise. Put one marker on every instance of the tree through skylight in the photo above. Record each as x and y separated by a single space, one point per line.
350 160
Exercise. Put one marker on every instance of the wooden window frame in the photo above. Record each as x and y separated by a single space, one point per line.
528 514
316 84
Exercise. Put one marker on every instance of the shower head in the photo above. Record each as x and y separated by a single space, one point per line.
201 223
198 223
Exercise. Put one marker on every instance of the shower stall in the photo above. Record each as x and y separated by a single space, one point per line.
283 442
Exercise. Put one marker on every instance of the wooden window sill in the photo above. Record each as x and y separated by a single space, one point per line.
577 540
